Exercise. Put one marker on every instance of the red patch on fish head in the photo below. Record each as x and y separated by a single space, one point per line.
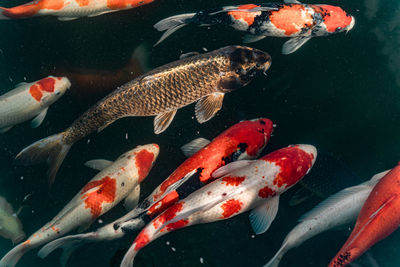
294 163
335 18
266 192
231 207
291 18
35 92
141 240
232 180
47 84
144 161
104 193
254 134
176 225
246 16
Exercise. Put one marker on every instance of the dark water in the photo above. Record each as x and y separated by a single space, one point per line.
339 93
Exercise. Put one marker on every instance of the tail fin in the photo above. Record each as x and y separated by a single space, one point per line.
14 255
69 244
172 24
51 149
274 262
19 12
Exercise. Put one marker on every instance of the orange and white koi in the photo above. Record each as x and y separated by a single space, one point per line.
244 140
243 185
300 22
379 217
30 100
69 9
115 182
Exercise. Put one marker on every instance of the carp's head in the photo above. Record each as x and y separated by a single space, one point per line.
336 19
247 62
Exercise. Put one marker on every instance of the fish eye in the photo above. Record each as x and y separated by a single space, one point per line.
258 65
58 93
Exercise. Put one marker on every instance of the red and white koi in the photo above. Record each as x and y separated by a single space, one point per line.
340 209
30 100
292 19
244 140
244 185
379 217
69 9
115 182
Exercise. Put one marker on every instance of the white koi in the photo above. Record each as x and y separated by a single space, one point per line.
30 100
337 210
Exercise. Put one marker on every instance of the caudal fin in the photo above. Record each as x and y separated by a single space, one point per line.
69 244
276 259
51 149
19 12
172 24
14 255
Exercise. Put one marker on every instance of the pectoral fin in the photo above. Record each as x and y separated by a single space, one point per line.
39 118
293 44
231 167
5 129
249 38
262 216
162 121
208 106
292 2
67 18
98 164
132 199
195 145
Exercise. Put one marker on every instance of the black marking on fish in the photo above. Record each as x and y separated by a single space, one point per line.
191 185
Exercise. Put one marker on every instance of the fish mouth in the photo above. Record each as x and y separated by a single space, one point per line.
351 25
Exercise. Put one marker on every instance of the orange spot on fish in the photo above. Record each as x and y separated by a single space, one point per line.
55 229
144 161
167 215
231 207
83 2
35 92
163 204
141 240
334 17
104 193
233 181
247 16
266 192
117 4
176 225
291 18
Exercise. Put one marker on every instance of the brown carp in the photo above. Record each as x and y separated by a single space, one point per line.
161 92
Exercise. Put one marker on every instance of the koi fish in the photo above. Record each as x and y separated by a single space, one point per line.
378 218
10 225
30 100
244 140
299 22
161 92
337 210
243 185
115 182
89 85
69 9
